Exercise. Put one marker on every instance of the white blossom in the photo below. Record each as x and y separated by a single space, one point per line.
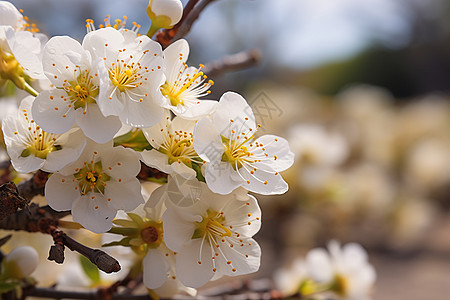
213 236
235 158
31 148
131 72
102 181
345 269
165 13
20 42
185 85
70 68
173 149
20 262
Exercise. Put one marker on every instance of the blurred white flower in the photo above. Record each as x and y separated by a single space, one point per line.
212 237
19 263
102 181
289 280
30 148
346 270
235 158
184 85
73 98
314 146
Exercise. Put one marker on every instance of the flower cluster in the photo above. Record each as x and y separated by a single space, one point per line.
197 227
341 271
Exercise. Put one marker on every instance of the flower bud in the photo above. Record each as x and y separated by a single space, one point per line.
20 262
165 13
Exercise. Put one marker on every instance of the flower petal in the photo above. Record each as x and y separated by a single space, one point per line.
124 195
207 142
96 126
51 111
189 271
233 106
121 163
279 156
93 213
155 268
219 179
155 159
61 192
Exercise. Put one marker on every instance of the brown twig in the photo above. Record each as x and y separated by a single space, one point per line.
190 14
95 295
238 61
14 197
33 186
44 219
10 200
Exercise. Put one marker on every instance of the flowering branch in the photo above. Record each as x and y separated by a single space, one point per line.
238 61
190 14
44 219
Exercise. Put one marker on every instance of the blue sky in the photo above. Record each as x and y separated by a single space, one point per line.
296 33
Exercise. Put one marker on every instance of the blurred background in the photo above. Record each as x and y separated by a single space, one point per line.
361 90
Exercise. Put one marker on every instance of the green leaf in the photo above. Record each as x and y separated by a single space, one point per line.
124 231
8 286
90 269
134 139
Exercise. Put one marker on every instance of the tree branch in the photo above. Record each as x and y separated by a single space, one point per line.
190 14
44 219
238 61
33 186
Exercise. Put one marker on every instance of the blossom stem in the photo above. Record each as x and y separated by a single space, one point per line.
152 30
30 90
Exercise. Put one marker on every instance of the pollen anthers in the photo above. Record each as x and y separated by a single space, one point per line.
27 26
211 226
128 74
92 178
38 142
81 91
118 24
186 87
178 146
241 151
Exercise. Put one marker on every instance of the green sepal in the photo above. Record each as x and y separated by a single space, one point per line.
133 139
198 170
8 286
90 269
136 218
125 223
124 231
123 242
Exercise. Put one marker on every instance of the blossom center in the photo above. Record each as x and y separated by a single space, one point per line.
152 234
178 147
92 178
340 285
37 142
82 91
167 92
236 153
212 224
125 76
42 145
